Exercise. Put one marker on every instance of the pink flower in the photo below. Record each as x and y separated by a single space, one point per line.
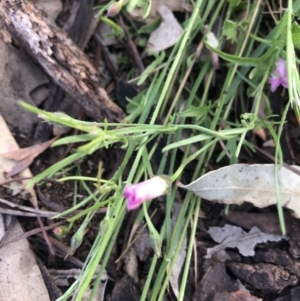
138 193
279 77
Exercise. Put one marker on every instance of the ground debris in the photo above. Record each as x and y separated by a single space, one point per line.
60 58
167 34
234 237
295 241
125 290
215 280
267 222
235 296
267 278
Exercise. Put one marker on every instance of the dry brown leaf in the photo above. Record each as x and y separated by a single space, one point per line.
235 237
167 34
261 133
255 184
8 143
22 153
181 256
20 166
17 264
25 156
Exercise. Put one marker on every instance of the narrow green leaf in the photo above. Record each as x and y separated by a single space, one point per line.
245 61
187 141
194 111
73 139
296 35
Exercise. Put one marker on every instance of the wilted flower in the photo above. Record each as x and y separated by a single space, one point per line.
138 193
60 232
279 76
215 60
114 8
212 41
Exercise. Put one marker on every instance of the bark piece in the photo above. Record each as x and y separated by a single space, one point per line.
125 290
265 277
60 57
278 257
214 280
295 240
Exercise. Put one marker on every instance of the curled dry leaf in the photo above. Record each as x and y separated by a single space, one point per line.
180 259
20 166
255 184
17 264
261 133
25 156
235 237
22 153
167 34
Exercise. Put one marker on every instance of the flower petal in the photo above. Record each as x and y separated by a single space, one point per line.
275 82
281 68
141 192
132 200
279 76
284 82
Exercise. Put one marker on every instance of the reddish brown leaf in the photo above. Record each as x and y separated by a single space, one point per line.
22 153
20 166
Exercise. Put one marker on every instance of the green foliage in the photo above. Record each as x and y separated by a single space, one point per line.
148 28
151 67
244 61
117 30
230 30
195 111
234 2
145 5
296 35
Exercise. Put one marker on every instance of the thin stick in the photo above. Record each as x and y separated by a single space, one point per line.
32 232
